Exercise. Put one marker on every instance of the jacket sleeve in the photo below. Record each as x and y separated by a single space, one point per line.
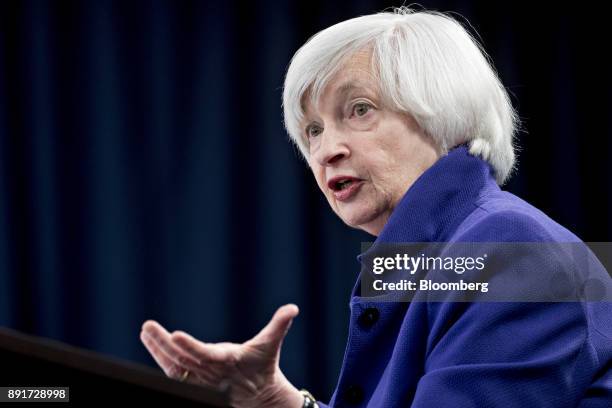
506 355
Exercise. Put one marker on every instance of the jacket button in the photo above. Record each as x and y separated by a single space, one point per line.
368 317
353 394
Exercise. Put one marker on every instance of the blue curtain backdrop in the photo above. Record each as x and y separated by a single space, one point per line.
145 172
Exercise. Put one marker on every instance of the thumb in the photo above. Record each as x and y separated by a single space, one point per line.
272 335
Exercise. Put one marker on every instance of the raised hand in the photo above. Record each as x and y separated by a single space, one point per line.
249 372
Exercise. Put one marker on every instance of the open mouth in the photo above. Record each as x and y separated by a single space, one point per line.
341 183
344 187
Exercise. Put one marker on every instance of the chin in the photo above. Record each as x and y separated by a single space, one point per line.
357 217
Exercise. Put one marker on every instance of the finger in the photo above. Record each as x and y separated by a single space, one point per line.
197 374
164 342
167 365
202 352
276 330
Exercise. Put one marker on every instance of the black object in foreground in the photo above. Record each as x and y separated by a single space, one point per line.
29 362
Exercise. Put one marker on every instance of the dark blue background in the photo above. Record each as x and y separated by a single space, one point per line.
145 172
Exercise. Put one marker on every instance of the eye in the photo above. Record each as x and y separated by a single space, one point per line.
361 109
313 130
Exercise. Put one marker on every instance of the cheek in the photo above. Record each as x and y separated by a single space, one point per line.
386 170
393 147
380 165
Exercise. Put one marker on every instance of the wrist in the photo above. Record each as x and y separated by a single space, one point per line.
284 395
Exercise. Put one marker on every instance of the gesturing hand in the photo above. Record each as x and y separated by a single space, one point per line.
248 372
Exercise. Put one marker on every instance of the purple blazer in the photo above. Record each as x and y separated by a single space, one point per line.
474 354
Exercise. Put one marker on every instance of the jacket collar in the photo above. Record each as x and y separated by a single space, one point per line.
435 205
440 199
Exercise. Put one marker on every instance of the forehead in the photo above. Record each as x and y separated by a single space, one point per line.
357 67
356 73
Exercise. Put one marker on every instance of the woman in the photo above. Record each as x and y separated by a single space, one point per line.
408 133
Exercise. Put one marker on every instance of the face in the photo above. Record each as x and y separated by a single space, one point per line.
363 155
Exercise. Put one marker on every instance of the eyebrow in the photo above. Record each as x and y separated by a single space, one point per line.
349 86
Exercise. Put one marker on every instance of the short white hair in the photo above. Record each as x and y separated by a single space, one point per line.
428 66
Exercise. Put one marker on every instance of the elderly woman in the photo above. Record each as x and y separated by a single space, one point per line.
408 132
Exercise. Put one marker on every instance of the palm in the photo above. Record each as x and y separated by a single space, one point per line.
247 372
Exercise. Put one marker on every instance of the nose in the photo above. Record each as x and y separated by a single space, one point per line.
332 148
